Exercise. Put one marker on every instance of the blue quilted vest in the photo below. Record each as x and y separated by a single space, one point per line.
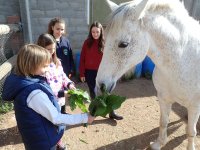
37 132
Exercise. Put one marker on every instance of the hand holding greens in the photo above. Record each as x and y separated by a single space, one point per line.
100 106
104 104
78 98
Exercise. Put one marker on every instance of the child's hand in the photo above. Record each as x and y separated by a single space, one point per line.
90 118
72 87
82 79
70 75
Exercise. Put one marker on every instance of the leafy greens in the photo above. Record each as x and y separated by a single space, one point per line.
100 106
78 98
104 104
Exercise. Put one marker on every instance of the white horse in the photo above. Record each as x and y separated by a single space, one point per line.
163 30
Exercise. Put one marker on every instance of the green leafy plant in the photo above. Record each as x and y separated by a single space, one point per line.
100 106
104 104
5 107
78 98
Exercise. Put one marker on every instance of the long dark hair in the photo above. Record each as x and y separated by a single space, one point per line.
53 22
46 39
101 37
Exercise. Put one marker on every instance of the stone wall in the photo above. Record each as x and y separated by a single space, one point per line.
41 11
8 8
73 12
10 14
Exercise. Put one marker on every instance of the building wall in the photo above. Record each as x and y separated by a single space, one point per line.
196 10
192 7
10 14
42 11
73 12
8 8
100 10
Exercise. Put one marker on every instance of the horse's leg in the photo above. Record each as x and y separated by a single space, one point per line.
193 116
165 109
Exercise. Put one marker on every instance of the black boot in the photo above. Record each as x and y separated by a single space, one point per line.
92 95
113 115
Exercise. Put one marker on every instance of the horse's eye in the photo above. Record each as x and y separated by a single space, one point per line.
123 44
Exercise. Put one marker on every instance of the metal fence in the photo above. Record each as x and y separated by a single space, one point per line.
7 57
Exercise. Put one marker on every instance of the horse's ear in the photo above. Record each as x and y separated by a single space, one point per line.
112 5
139 8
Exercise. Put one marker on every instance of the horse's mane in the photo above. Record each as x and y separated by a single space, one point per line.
118 12
156 6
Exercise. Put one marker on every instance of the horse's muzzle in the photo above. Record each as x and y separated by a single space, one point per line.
102 88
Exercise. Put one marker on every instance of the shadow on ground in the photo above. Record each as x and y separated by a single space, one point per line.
142 141
107 121
10 136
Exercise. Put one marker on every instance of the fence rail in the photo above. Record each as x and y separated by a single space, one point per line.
6 64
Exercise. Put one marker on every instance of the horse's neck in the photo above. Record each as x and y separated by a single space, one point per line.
168 39
163 42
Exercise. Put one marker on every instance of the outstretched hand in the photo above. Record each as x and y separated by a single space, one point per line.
90 118
82 79
72 87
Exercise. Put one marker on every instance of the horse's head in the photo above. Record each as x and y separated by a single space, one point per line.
126 43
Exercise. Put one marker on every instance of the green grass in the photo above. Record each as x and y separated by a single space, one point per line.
5 106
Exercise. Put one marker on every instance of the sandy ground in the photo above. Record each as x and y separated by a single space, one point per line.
138 128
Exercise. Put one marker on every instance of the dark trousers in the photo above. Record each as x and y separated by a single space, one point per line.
90 77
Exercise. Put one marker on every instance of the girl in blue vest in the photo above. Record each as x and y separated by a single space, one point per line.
37 112
56 28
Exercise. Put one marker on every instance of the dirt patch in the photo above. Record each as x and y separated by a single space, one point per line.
138 128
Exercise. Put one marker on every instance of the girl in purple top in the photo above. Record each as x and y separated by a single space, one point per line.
56 77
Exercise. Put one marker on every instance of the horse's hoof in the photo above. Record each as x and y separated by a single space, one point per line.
155 146
190 147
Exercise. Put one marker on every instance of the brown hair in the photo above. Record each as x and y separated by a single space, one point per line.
101 37
53 22
45 40
30 58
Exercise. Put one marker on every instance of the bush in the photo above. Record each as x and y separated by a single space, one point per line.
5 106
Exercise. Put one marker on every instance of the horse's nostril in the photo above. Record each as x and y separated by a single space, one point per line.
103 88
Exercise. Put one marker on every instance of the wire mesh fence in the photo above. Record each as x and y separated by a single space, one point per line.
7 54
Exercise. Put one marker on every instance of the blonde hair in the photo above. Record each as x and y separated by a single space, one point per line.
30 58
